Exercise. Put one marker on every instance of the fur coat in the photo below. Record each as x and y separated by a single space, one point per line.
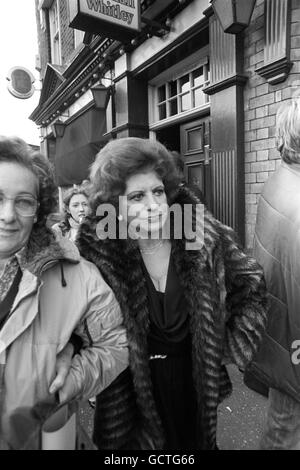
225 298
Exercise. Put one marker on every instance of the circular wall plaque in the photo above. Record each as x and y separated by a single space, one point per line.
20 82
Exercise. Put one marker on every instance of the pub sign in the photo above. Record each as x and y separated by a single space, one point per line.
20 82
117 19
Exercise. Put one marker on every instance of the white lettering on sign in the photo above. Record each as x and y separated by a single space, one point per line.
114 9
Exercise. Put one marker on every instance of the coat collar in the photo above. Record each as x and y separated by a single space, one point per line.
293 167
35 261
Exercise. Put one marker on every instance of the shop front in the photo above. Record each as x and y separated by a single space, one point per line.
176 77
186 90
76 149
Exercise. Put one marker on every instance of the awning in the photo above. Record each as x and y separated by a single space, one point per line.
76 150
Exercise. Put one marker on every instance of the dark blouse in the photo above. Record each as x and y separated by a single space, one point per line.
7 302
170 360
168 318
8 276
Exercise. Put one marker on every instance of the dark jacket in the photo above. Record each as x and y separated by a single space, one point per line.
225 298
277 248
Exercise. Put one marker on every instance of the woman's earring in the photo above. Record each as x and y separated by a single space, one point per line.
120 218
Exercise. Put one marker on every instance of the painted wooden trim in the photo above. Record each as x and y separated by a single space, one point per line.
225 186
236 80
275 72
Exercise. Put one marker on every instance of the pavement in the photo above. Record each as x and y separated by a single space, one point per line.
241 417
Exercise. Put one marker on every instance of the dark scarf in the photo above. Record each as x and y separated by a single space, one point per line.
202 277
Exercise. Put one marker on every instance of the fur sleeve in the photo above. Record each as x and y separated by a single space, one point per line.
246 301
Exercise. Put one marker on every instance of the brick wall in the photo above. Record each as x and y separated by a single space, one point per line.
261 103
66 37
67 33
43 41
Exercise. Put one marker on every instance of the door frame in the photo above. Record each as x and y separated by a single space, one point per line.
201 155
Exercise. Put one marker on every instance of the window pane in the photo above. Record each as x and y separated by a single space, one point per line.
206 75
55 51
172 88
162 111
161 93
54 34
78 37
53 12
199 97
194 139
184 84
185 102
183 94
173 107
198 77
196 175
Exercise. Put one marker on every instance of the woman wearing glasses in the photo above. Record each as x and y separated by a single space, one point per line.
46 292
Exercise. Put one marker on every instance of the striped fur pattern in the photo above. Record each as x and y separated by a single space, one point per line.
226 300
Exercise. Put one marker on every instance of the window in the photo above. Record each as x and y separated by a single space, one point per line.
78 37
42 19
183 94
43 5
51 149
277 41
54 33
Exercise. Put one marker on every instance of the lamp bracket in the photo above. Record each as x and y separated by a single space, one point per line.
106 78
87 38
155 28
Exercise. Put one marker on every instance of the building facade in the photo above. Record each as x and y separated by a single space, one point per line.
210 95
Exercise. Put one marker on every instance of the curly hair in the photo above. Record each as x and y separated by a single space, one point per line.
124 157
16 150
84 190
288 131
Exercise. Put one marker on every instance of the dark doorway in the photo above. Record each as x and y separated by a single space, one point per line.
170 137
195 150
192 141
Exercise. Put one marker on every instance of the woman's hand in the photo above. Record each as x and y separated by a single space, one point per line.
63 365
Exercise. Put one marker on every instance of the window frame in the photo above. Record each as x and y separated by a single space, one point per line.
182 69
78 38
55 33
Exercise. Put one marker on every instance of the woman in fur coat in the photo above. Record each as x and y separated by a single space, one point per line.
192 300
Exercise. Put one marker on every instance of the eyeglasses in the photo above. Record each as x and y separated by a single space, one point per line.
25 206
